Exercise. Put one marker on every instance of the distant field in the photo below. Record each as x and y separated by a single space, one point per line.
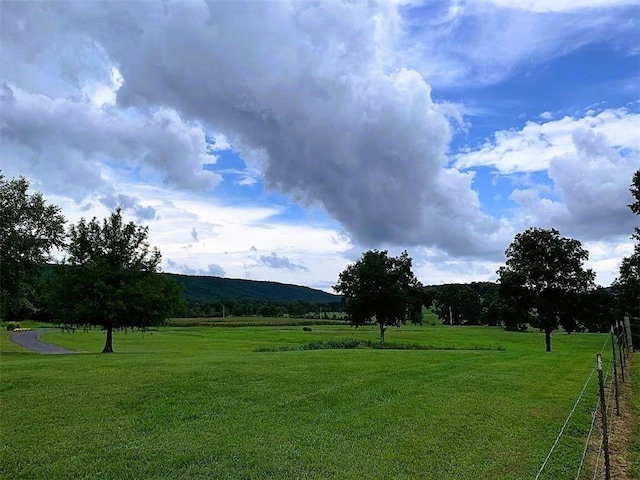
202 403
252 322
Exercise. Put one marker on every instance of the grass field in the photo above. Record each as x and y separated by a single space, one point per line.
202 403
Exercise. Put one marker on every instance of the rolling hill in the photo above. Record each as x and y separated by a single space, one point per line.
202 288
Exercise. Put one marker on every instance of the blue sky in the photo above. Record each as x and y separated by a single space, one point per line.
279 140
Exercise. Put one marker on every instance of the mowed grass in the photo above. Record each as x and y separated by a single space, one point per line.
202 403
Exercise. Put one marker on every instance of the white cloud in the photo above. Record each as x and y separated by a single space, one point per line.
211 270
533 147
589 162
279 261
542 6
128 203
309 94
324 105
605 258
589 193
460 43
76 143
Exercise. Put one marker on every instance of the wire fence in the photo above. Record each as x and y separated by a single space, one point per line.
587 422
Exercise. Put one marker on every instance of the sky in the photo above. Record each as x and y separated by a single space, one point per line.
279 140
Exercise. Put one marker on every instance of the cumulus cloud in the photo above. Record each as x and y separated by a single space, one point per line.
74 141
276 261
212 270
309 94
320 101
589 192
128 203
533 147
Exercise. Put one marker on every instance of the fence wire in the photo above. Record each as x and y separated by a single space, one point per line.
600 453
566 422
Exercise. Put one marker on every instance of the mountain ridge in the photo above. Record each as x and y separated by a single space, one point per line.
209 288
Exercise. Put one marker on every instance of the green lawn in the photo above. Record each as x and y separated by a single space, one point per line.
201 403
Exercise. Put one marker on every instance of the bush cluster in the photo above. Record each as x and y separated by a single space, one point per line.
11 326
349 343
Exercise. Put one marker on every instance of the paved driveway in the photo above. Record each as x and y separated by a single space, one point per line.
31 341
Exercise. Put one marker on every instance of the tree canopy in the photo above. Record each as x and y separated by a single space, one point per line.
29 230
111 279
379 289
627 284
456 304
544 272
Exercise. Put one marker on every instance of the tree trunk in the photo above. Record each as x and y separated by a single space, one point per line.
108 346
547 337
382 329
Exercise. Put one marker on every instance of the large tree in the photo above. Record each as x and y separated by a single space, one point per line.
111 279
29 230
379 289
544 272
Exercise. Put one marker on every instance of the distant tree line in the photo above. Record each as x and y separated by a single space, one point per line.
483 303
543 284
265 308
110 278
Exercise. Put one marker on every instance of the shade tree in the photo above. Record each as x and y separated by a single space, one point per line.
111 279
543 275
29 230
379 289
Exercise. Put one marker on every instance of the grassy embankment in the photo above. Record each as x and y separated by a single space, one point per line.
202 403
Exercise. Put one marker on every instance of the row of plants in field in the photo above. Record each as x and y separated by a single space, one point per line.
350 343
251 322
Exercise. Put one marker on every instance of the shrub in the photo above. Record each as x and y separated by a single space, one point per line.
306 329
348 343
11 326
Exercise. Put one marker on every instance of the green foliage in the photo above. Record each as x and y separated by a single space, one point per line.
111 280
627 285
597 309
508 314
545 272
457 304
635 191
380 289
349 343
29 229
11 326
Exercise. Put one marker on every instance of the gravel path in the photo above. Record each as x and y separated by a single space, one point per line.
31 341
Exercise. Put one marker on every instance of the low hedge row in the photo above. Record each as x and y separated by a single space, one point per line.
349 343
